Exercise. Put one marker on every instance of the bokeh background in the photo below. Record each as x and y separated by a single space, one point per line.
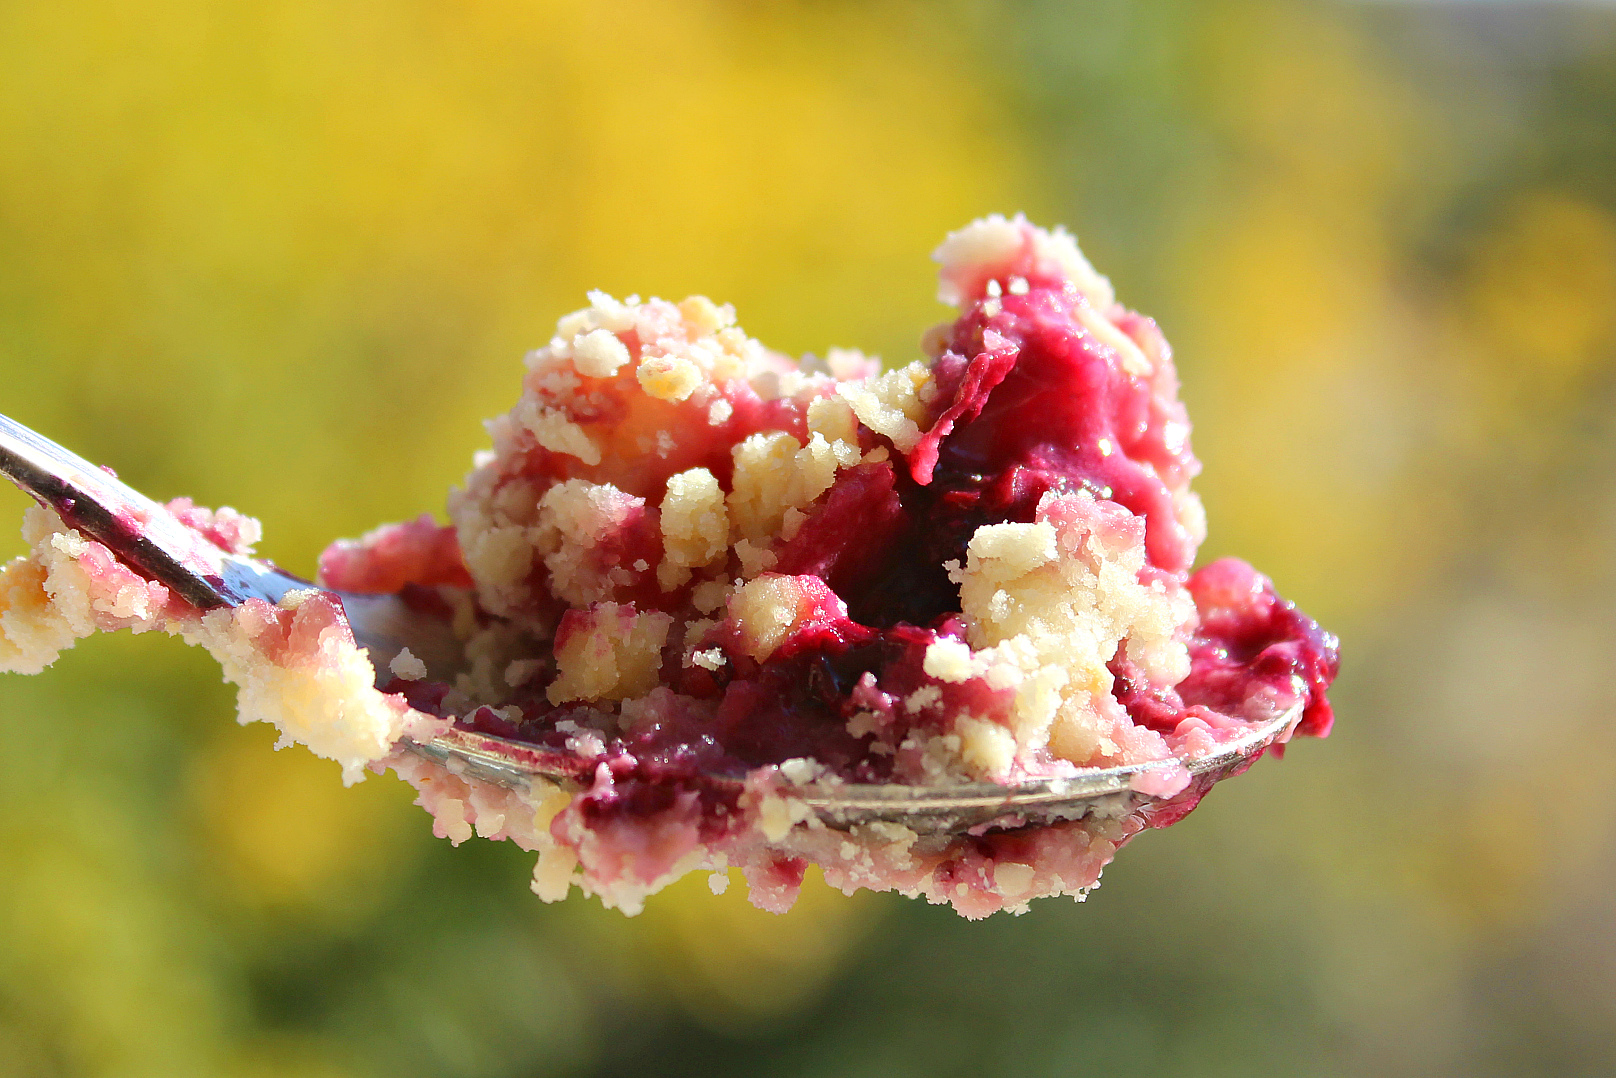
286 256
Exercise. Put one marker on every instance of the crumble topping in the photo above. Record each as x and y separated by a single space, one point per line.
710 576
295 663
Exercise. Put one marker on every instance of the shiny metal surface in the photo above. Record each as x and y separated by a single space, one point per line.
96 502
150 538
925 809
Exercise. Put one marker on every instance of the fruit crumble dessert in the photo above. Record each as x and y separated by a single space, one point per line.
702 578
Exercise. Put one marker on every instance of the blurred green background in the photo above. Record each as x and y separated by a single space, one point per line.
285 256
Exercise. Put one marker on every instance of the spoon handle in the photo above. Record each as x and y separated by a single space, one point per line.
151 539
96 502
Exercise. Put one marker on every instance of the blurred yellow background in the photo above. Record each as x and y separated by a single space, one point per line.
287 256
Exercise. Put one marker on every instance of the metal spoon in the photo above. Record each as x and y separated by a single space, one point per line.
149 538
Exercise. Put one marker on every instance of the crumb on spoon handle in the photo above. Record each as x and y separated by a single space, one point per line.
96 502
